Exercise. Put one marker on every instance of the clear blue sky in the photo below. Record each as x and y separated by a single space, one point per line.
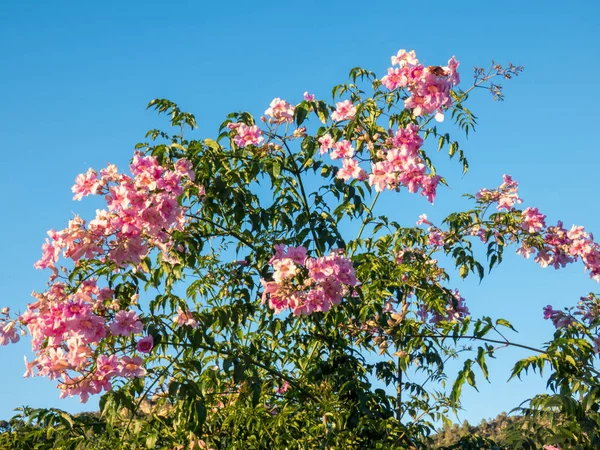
75 78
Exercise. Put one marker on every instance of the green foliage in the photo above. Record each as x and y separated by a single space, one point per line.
358 376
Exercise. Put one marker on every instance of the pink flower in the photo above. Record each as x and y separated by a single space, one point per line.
248 136
559 318
404 58
343 149
145 344
532 220
297 254
131 367
329 279
283 388
89 328
280 111
453 76
344 110
308 97
8 332
126 323
85 184
29 367
436 238
350 169
551 447
185 318
423 219
50 253
184 168
395 78
326 142
284 269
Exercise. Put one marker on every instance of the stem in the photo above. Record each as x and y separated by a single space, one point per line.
276 373
399 393
369 216
137 406
230 232
472 337
296 171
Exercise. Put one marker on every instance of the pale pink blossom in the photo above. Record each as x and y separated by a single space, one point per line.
326 142
126 323
131 367
343 110
405 58
280 111
351 169
185 317
248 136
343 149
423 220
532 220
85 184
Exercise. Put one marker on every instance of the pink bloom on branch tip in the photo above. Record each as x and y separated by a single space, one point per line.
344 110
351 169
532 220
436 238
85 184
308 97
131 367
342 149
8 333
248 136
145 344
423 220
280 111
185 317
453 76
405 58
126 323
326 142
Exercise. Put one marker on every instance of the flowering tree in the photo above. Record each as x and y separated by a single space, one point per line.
244 292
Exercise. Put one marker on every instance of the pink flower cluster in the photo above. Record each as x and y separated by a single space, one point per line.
142 211
561 247
402 165
506 195
532 220
436 237
185 318
397 165
280 111
305 284
246 135
429 86
559 318
8 332
66 328
343 110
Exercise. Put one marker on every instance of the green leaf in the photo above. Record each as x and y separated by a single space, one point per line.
276 169
505 323
300 113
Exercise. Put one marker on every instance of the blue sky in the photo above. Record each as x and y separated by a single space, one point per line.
76 77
